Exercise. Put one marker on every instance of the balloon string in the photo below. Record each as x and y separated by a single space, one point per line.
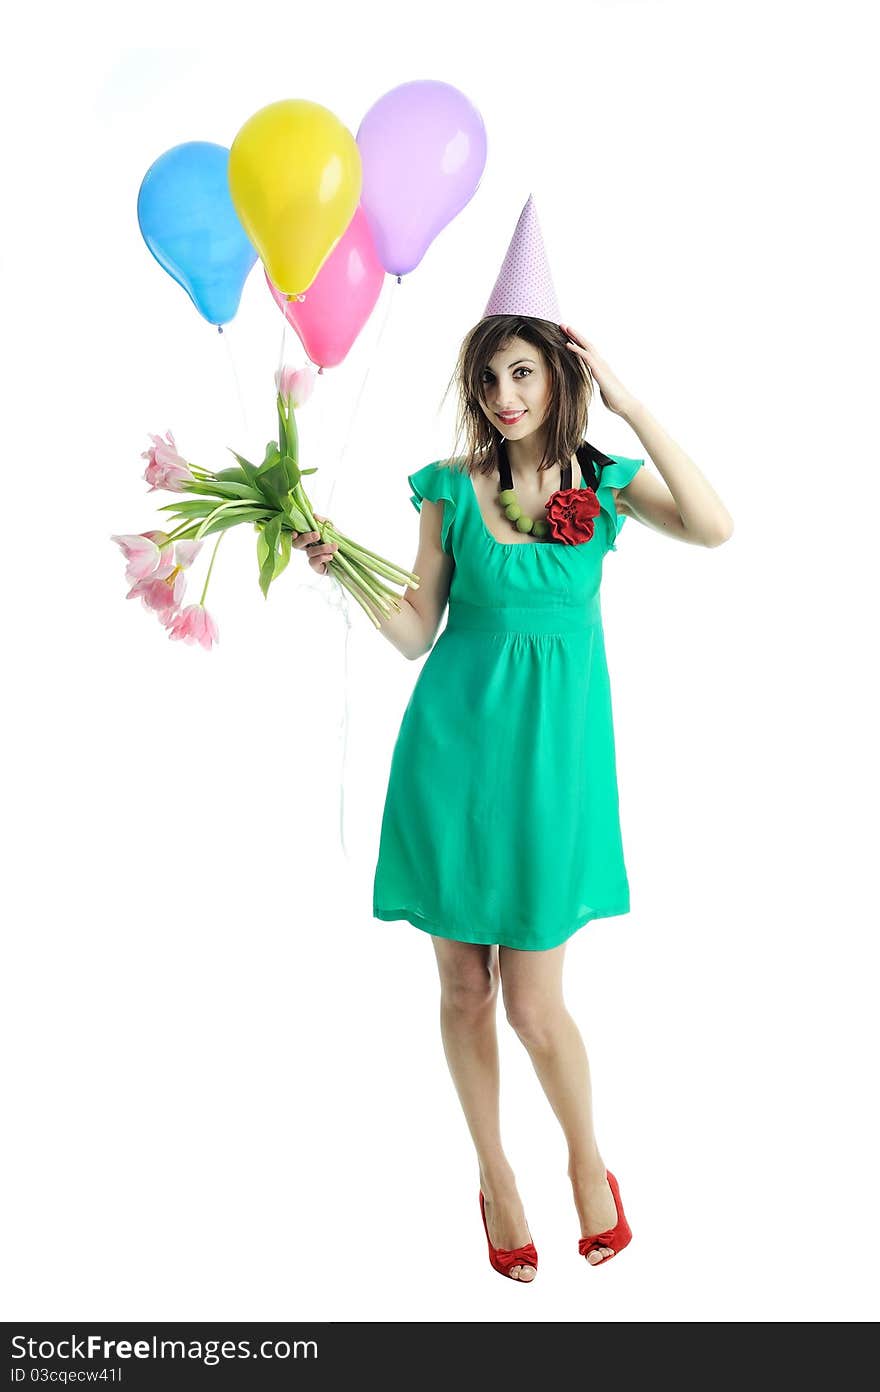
335 595
345 600
237 383
390 299
344 721
283 341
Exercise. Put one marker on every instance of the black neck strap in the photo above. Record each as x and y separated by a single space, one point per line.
591 461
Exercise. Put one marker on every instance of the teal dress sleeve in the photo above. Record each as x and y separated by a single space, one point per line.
436 483
615 475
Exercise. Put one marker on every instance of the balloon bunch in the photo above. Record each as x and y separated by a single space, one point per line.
328 214
271 497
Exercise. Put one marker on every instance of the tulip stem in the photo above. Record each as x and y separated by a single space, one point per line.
211 567
356 546
359 575
369 558
353 591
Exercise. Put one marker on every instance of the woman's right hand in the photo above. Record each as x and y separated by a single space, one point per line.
317 551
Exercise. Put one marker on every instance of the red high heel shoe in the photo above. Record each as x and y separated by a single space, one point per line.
616 1238
503 1260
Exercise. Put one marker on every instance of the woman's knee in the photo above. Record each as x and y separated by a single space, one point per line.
468 976
531 983
533 1017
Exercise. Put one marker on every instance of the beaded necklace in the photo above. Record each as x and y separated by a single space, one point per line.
588 457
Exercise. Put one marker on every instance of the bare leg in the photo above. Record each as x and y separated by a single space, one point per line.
531 983
468 1009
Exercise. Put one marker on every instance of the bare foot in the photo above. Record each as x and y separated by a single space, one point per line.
507 1226
596 1208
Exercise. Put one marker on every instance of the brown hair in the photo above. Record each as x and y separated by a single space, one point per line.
571 391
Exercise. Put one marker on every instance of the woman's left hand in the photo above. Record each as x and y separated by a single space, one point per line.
612 391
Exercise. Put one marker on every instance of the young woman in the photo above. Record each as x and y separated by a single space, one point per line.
501 835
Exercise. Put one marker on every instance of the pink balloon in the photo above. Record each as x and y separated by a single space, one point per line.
423 152
340 299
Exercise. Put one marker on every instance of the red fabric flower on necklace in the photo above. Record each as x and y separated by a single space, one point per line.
570 513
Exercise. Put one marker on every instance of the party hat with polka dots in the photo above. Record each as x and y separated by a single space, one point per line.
524 284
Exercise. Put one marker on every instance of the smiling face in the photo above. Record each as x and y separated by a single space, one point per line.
516 381
514 362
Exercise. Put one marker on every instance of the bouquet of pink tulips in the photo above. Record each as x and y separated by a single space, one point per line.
271 497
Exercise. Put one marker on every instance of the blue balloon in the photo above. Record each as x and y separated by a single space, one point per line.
188 220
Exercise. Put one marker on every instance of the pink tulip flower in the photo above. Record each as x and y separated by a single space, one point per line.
185 553
166 468
194 625
149 555
164 594
296 384
162 597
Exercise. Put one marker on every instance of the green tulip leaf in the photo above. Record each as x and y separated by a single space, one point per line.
248 468
272 483
272 455
292 470
298 520
232 519
230 488
271 534
198 507
282 560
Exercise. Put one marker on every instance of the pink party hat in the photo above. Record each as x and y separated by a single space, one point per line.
524 284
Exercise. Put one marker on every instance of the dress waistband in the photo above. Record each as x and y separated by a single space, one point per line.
523 618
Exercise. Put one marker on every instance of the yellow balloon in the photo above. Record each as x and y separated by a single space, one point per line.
295 180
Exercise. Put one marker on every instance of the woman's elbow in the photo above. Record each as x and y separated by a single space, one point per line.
723 534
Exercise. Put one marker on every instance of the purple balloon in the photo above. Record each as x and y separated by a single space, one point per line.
423 152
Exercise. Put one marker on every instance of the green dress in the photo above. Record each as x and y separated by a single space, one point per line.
501 818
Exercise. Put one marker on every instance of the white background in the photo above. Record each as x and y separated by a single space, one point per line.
225 1088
